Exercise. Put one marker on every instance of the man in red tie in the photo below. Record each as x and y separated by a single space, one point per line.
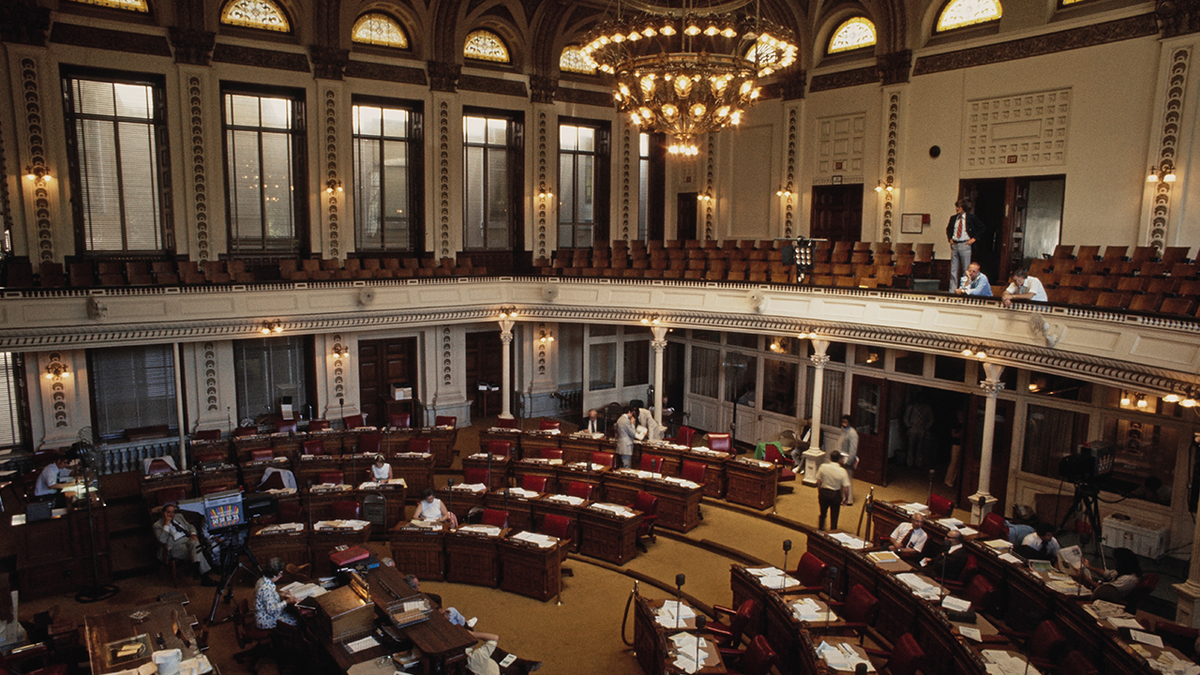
962 231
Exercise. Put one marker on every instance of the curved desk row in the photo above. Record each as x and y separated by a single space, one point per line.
298 544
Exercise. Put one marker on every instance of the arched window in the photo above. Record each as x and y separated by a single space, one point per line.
260 14
379 29
962 13
485 46
854 33
573 60
131 5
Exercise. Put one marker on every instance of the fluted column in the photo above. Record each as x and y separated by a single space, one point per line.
660 344
819 359
1187 607
982 500
506 336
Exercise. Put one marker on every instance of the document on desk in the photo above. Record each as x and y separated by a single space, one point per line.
1122 622
842 657
809 611
539 540
1146 638
687 646
672 610
919 586
970 633
956 604
302 591
953 523
773 578
1006 663
848 540
883 556
359 645
1008 557
487 530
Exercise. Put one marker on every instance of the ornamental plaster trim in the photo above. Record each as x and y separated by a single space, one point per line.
709 207
35 135
331 173
893 138
339 370
626 172
444 179
447 357
1168 143
542 211
789 209
58 390
212 401
199 177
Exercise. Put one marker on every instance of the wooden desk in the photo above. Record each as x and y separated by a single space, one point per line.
834 553
542 468
513 436
782 625
499 465
321 543
54 556
252 472
580 448
320 501
472 558
678 502
395 440
751 482
332 439
289 546
608 537
715 473
746 586
557 504
310 467
244 446
581 473
520 509
459 501
153 483
222 477
168 620
535 443
655 651
420 551
416 468
530 570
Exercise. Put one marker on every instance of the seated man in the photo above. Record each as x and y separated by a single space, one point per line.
908 539
1041 544
948 564
52 479
480 661
179 536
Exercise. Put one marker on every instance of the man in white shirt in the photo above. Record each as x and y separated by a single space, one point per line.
833 489
480 661
848 446
1041 545
1023 287
50 480
908 539
975 282
592 423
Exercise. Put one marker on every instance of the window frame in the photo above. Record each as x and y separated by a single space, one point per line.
168 399
305 368
161 155
298 135
601 155
937 19
14 389
416 174
515 157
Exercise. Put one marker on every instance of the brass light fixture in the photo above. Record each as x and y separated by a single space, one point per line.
57 370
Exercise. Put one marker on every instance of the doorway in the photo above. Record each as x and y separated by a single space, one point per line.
686 213
868 413
1023 216
484 372
382 363
837 212
1001 451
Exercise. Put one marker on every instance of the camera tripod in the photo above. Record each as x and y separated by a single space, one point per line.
1087 499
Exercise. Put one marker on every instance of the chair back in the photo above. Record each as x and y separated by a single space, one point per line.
212 455
994 527
246 431
474 475
1077 664
207 435
758 657
940 506
170 495
580 489
557 526
533 483
549 425
335 477
811 570
603 458
860 606
552 453
646 503
285 426
318 425
907 656
495 517
315 446
507 423
400 420
262 455
499 448
420 445
651 463
773 455
684 436
370 444
980 593
346 510
697 472
354 421
1048 641
445 421
158 465
720 442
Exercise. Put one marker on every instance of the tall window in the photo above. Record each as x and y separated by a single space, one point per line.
264 164
116 136
491 181
387 175
12 397
582 184
132 387
268 370
643 184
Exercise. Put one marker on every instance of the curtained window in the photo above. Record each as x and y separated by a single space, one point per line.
706 371
12 395
132 387
1050 435
387 177
267 370
779 386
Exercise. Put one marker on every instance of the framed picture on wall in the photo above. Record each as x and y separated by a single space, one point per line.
910 223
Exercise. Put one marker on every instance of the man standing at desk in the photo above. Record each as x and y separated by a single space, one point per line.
848 446
626 432
50 481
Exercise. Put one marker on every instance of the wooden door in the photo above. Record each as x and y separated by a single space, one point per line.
837 212
686 214
1012 243
869 412
1001 452
483 367
382 363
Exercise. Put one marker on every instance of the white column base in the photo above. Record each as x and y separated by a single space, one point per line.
1187 607
981 505
813 458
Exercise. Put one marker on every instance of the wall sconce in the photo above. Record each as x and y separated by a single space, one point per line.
508 312
269 327
806 334
1141 401
1171 398
704 197
777 345
785 191
333 185
37 172
546 337
544 192
1189 402
56 370
977 352
651 320
1164 173
881 187
341 351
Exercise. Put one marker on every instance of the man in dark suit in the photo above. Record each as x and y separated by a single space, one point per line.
593 423
962 231
950 562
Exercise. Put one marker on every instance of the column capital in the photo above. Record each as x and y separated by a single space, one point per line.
506 326
991 388
820 346
660 333
819 360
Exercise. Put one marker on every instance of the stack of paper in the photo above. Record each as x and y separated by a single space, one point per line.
522 492
954 523
340 524
539 540
674 613
773 578
920 587
282 528
470 487
587 466
565 499
302 591
687 647
883 556
998 544
848 540
809 611
489 530
1007 663
913 507
615 509
1102 609
842 657
1010 558
678 481
414 455
956 604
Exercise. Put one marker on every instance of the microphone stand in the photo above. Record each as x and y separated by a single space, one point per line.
945 559
787 546
831 575
679 581
701 621
450 494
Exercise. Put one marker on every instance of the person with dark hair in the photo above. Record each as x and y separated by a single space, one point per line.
52 479
962 231
848 446
270 604
431 509
173 531
1023 287
1116 584
381 471
948 564
1040 544
833 489
626 433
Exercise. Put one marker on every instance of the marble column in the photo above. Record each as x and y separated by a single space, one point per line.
982 500
1187 606
660 345
506 336
819 359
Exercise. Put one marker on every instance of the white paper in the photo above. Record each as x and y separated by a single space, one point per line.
1146 638
1119 622
1008 557
956 604
970 633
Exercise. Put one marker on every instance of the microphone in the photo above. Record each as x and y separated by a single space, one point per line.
679 581
832 574
701 620
787 546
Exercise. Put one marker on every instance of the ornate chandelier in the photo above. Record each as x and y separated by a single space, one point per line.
689 71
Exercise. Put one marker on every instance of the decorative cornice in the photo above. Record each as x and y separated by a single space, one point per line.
492 85
444 76
328 63
894 68
263 58
1076 38
113 40
845 78
192 47
1169 145
600 99
542 88
793 85
24 22
385 73
1178 17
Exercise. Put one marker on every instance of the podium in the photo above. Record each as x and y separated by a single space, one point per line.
813 457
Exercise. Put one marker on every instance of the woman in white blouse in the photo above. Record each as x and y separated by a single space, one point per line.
380 470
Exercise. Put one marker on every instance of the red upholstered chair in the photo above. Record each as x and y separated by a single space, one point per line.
314 447
262 455
507 423
648 505
445 421
254 642
811 573
533 483
354 421
981 593
731 636
684 436
563 528
473 475
291 512
370 444
246 431
603 458
697 472
207 435
651 463
335 477
905 658
158 465
858 610
1076 663
499 448
400 420
1047 645
495 517
994 527
548 425
170 495
420 445
551 453
755 660
940 506
785 465
318 425
720 442
345 510
580 489
283 426
1176 635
